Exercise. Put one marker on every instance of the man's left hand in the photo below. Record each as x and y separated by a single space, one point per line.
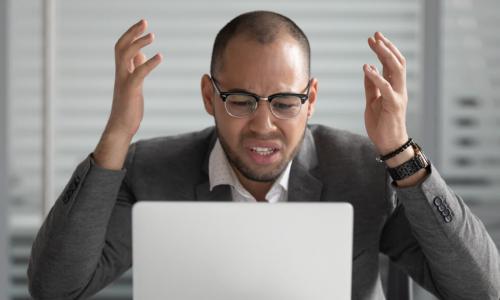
386 96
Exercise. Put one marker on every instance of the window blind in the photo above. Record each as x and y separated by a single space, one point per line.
471 103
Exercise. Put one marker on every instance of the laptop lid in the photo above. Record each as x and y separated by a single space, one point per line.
231 250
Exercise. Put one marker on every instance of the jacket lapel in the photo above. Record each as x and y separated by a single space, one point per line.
303 185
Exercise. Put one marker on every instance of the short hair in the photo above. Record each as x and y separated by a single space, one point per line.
262 26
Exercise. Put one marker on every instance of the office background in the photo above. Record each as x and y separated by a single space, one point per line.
56 83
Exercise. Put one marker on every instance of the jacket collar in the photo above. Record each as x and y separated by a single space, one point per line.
303 185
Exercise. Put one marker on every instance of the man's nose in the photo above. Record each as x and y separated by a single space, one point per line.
262 120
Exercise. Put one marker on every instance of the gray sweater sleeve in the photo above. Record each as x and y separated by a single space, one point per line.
436 239
85 241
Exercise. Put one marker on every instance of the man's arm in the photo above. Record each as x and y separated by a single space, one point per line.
128 101
432 234
84 243
440 243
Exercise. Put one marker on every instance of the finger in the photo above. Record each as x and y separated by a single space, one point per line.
372 42
134 48
380 82
393 71
392 47
382 51
139 59
130 35
143 70
371 91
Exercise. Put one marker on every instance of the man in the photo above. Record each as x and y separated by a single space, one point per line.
261 96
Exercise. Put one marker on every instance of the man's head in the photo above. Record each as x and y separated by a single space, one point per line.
264 27
262 53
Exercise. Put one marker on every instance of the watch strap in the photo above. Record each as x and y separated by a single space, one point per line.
410 167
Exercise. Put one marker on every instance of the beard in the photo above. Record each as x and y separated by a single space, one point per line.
246 170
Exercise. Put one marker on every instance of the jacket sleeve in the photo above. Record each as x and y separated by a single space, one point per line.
434 237
85 241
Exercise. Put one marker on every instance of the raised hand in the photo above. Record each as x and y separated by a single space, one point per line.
128 101
386 96
131 69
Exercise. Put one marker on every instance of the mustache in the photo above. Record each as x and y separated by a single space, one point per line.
258 136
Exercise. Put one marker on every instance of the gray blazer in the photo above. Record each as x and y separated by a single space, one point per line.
85 241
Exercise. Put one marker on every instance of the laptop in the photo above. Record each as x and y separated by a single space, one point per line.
241 251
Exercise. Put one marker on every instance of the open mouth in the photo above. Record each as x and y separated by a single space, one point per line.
264 151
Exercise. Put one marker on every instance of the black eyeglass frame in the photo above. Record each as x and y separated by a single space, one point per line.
223 95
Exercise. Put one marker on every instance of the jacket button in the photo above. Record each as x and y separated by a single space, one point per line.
438 201
448 219
445 213
441 208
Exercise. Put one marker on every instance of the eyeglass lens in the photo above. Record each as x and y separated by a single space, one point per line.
287 106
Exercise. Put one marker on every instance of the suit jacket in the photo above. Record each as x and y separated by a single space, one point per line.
85 241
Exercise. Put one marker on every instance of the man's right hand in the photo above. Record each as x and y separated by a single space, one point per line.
128 100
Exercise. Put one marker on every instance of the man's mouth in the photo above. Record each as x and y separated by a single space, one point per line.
264 151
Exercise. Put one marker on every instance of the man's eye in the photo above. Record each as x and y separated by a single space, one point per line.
242 103
286 103
283 106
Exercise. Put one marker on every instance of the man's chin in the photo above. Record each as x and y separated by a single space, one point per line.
261 173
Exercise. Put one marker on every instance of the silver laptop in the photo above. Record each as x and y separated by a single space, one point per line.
242 251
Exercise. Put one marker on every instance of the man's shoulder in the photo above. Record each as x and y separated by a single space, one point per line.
180 150
340 141
352 153
177 143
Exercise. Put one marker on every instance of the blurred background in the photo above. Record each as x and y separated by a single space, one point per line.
56 84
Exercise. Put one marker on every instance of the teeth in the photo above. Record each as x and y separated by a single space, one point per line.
263 150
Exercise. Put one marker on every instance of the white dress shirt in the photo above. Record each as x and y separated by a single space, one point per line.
221 173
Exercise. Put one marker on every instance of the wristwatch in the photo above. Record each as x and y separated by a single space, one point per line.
410 167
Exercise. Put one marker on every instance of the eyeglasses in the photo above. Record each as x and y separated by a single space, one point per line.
242 104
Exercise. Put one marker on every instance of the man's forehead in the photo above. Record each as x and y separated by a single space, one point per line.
248 62
240 43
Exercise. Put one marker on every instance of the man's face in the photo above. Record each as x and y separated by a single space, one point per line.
259 146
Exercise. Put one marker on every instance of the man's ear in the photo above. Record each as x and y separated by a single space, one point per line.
207 93
313 95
